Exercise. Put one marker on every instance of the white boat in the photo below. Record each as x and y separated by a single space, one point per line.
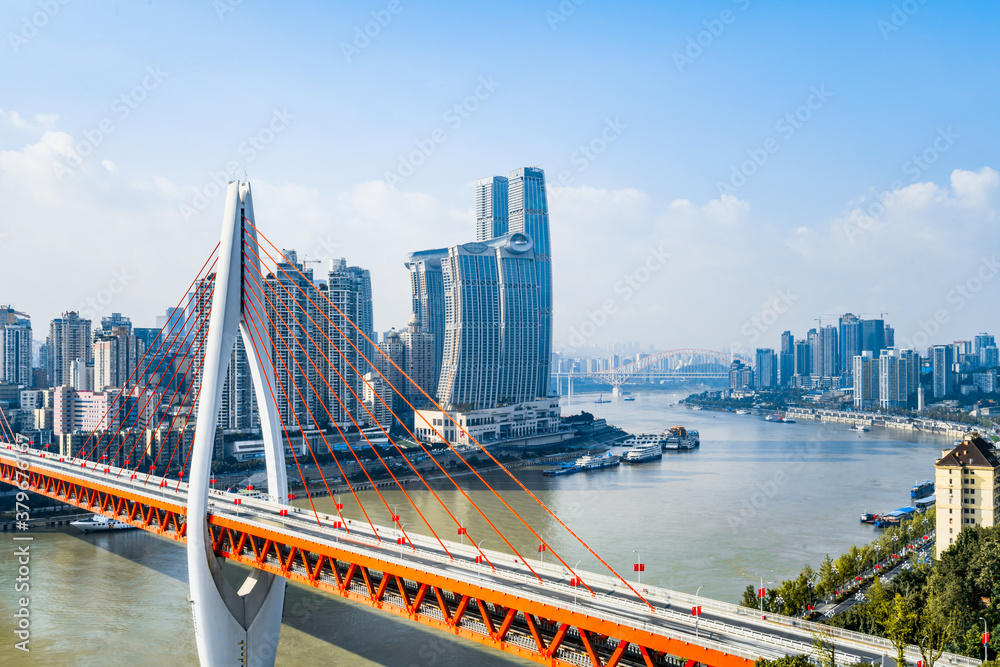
741 412
860 427
591 462
643 453
100 523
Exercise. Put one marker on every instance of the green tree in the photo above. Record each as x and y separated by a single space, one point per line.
826 649
932 633
827 582
787 661
900 625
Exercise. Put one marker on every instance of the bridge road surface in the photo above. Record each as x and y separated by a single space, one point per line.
722 626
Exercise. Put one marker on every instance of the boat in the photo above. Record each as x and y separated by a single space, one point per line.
769 418
601 399
628 397
644 451
922 490
923 504
99 523
895 517
787 420
591 462
742 412
564 469
860 427
868 517
680 438
696 407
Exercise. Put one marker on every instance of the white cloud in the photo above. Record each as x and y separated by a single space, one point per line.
110 166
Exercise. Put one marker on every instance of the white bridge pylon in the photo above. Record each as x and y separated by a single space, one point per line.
234 627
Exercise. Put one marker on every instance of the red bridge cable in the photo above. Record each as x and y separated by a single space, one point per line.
474 471
301 430
351 416
146 353
395 445
190 385
8 430
261 357
170 402
483 449
149 394
295 415
330 449
149 376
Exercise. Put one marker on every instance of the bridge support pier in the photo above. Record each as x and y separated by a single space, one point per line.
234 627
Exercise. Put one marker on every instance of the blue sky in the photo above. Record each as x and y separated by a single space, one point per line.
894 78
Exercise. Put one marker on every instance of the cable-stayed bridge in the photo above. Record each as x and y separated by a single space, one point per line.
148 463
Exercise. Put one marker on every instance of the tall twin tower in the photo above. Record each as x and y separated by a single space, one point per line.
489 302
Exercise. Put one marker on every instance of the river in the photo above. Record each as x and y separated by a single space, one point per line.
757 500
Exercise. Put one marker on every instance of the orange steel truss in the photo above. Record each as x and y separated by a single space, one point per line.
542 633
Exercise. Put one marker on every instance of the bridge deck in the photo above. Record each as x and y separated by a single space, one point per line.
499 604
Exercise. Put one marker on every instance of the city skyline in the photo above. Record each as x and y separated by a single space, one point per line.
782 190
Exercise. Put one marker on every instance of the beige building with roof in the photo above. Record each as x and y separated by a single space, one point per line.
966 481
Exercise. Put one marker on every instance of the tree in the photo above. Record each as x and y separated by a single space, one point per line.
933 633
826 649
787 661
900 623
827 581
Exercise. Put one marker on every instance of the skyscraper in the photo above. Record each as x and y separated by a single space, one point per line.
69 339
896 381
942 360
829 352
529 214
418 354
866 381
116 353
295 336
873 336
786 359
492 324
803 358
488 302
350 300
850 341
492 212
15 347
766 370
427 288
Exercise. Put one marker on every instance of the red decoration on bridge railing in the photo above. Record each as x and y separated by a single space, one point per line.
696 611
541 548
761 592
639 567
479 559
337 524
576 581
291 496
237 501
395 518
400 541
462 531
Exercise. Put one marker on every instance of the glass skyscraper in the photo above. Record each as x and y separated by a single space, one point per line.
489 303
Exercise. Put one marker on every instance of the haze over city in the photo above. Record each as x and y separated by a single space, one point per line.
750 147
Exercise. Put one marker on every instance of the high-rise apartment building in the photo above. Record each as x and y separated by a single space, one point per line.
69 339
291 303
943 361
349 299
418 355
829 352
786 359
766 369
866 381
966 485
803 358
890 337
117 352
850 341
15 347
898 378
